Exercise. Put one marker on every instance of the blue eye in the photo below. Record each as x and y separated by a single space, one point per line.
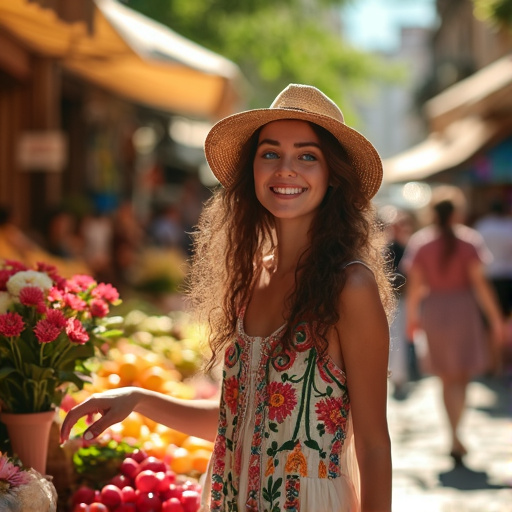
269 155
309 157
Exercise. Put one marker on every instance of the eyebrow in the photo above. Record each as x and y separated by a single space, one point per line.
297 144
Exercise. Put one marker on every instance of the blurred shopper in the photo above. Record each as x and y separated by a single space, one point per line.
496 230
445 267
166 229
97 232
401 225
14 244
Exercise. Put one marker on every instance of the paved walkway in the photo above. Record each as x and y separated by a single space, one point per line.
424 476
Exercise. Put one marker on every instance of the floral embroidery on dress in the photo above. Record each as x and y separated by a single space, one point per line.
297 407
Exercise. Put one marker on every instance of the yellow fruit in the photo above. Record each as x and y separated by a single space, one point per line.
128 368
200 460
132 425
193 444
181 461
153 378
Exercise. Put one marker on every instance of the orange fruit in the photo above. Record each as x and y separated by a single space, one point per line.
193 444
181 461
132 425
200 460
127 368
153 378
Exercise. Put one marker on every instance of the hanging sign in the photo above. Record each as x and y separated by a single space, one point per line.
43 151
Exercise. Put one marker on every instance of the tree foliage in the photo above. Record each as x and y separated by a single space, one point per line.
276 43
497 12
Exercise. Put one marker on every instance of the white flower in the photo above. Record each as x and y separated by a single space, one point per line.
5 302
28 278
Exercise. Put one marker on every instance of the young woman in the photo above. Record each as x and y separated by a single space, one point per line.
446 292
288 272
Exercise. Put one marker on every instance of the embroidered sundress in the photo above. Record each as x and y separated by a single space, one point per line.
284 440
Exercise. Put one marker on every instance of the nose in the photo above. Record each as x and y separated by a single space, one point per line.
286 168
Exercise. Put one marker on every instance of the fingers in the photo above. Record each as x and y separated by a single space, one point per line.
77 412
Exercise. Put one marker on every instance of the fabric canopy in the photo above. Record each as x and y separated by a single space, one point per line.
442 151
130 55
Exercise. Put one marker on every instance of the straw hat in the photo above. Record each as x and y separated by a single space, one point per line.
225 142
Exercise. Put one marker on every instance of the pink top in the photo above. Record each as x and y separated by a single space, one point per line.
425 248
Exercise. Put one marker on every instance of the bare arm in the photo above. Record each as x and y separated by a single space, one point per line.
364 338
193 417
416 289
487 300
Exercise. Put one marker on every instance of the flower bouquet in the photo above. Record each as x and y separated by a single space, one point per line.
23 489
49 328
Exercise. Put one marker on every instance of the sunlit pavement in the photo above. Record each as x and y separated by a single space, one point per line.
425 477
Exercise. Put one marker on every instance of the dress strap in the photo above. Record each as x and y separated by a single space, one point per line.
360 262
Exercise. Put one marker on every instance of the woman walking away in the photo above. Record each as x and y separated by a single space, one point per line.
445 268
288 271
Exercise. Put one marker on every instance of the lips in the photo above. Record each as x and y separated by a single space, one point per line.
288 190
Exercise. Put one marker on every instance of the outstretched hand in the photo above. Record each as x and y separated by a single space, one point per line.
113 405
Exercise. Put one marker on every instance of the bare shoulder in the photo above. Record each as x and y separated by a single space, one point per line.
360 280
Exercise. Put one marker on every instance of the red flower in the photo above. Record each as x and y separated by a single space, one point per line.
106 292
74 302
99 308
56 317
46 332
332 413
31 296
76 331
231 393
11 324
281 401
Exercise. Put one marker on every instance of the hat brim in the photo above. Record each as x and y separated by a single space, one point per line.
225 142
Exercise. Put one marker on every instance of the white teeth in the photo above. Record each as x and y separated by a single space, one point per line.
288 191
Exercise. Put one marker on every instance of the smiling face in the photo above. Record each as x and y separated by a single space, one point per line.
291 175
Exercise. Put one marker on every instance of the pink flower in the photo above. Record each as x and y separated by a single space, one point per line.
11 324
55 295
332 413
5 274
31 296
76 331
80 283
99 308
56 317
74 302
12 474
46 332
106 292
281 401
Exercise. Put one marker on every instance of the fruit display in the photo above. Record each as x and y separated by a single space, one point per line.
143 484
137 464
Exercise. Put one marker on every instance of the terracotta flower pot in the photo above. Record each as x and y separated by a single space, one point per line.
29 435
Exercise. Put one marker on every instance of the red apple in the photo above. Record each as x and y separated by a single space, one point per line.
138 455
129 467
81 507
148 502
121 480
153 464
83 494
128 494
126 507
111 496
191 501
164 480
98 507
174 491
146 481
172 505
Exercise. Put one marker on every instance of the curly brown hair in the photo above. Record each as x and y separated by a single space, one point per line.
235 234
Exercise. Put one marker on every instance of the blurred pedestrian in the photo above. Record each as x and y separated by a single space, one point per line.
445 267
400 225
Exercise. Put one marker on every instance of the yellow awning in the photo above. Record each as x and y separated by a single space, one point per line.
130 55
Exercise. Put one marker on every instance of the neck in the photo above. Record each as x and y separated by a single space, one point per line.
292 241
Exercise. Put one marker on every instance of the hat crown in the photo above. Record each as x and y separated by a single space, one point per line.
307 98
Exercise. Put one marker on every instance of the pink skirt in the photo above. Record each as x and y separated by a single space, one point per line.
456 337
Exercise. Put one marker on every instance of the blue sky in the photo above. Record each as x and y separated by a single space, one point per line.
375 24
